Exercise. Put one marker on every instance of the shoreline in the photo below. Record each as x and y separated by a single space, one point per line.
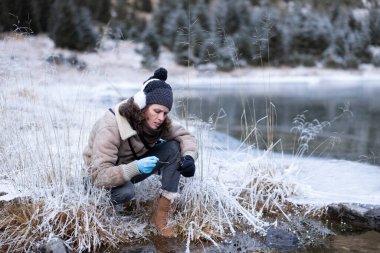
58 102
117 63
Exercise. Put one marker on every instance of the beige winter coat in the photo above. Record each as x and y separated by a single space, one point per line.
108 156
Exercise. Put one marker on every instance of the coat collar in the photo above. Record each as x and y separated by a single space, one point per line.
125 128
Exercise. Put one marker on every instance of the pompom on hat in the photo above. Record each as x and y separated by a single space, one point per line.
155 91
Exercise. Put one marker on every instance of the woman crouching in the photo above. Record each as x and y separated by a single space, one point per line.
137 139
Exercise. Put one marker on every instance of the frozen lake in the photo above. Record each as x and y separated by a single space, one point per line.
353 113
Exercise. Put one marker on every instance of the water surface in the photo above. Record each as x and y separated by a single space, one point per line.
352 117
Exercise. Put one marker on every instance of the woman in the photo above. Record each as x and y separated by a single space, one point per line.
136 139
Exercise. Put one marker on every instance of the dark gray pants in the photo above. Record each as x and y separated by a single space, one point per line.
169 154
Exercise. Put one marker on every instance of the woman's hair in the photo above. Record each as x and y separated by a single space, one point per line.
136 117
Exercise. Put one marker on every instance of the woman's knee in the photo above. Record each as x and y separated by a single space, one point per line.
173 146
123 193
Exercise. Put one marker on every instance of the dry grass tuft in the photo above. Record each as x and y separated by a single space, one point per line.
25 223
18 222
26 93
266 190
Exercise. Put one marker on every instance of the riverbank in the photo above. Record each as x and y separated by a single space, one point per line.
117 62
47 108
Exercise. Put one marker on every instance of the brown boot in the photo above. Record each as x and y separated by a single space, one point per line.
162 210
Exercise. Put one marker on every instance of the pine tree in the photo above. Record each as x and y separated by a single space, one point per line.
71 27
151 49
16 15
375 26
209 51
143 5
102 12
267 42
200 15
120 8
5 19
198 37
181 50
227 17
177 22
41 10
351 38
161 15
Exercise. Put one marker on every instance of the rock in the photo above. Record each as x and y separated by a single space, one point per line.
281 238
71 61
56 245
358 216
240 242
373 218
314 228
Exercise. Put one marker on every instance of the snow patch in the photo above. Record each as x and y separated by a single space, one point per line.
324 182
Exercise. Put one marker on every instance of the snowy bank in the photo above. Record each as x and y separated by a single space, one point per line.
115 70
324 182
47 112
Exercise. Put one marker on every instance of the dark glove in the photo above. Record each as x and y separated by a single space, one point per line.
187 166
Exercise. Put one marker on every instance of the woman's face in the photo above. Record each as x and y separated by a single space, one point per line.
155 115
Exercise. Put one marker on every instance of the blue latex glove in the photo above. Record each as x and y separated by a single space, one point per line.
147 164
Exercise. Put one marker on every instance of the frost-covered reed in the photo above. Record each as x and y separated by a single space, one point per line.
41 157
233 190
44 128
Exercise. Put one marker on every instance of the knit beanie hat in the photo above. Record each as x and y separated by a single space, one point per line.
155 91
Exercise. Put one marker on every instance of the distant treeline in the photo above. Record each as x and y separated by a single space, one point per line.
225 33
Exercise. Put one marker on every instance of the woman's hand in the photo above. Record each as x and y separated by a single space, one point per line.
147 164
187 166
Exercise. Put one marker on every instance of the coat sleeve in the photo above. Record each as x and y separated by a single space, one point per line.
188 143
103 168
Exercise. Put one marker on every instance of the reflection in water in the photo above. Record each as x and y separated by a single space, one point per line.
368 242
354 132
358 243
168 245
